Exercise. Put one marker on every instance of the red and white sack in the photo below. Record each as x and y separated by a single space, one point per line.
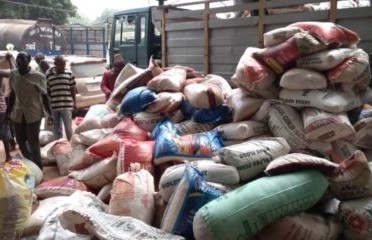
212 92
354 180
363 133
105 147
342 150
243 105
62 151
191 127
323 126
97 175
108 120
47 155
284 55
132 151
127 128
104 193
80 158
252 157
132 195
212 172
328 100
286 122
325 60
171 80
165 102
301 78
62 186
128 71
355 216
251 73
147 121
304 225
279 35
330 34
90 137
354 70
242 130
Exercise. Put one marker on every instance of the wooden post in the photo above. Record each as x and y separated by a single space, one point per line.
206 38
163 39
261 24
332 11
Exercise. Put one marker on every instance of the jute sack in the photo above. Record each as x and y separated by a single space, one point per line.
328 100
279 35
323 126
355 216
245 211
251 157
301 78
212 172
242 130
302 226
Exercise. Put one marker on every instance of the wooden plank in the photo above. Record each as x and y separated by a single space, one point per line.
206 38
332 11
163 40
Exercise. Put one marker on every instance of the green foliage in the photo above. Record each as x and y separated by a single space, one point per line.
57 10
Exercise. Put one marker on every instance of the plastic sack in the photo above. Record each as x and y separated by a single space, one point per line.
16 186
137 100
171 80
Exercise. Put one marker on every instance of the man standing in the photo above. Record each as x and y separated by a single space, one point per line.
27 97
109 76
62 90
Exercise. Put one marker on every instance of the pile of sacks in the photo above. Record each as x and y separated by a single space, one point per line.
177 155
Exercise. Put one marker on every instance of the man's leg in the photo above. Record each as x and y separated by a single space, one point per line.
33 131
67 122
57 125
21 137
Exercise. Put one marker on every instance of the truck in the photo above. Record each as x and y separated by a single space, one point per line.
211 38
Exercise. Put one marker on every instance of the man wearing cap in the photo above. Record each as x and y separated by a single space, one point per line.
62 90
109 76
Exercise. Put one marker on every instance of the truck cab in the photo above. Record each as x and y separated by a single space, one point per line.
135 37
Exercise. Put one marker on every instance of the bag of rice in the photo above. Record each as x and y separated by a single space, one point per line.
147 121
354 179
61 186
279 35
128 71
80 158
137 100
171 80
190 195
323 126
97 175
329 100
127 128
191 127
251 157
165 102
325 60
301 78
245 211
243 105
211 171
356 216
132 195
90 137
251 73
104 193
46 137
342 150
242 130
283 56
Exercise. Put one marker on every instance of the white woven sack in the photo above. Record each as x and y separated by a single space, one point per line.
328 100
132 195
97 175
213 172
165 102
191 127
242 130
147 121
90 137
342 150
35 171
363 135
171 80
325 60
251 157
279 35
323 126
301 78
243 105
128 71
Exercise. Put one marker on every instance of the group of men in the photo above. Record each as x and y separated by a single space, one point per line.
44 89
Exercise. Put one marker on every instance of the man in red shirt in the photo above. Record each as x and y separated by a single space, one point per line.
109 76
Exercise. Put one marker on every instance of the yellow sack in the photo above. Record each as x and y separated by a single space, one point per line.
16 184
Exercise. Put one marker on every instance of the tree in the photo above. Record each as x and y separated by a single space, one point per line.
57 10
